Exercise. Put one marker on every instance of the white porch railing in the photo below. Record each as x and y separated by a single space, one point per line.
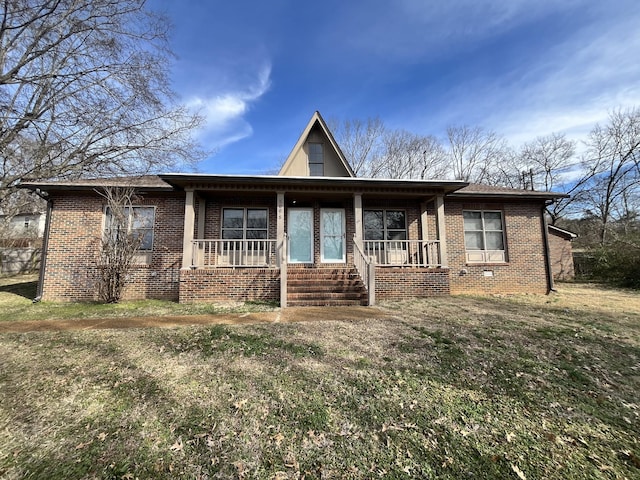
234 253
367 271
411 253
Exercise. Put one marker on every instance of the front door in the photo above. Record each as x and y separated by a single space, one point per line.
332 235
300 233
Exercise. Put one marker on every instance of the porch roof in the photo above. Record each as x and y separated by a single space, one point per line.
273 183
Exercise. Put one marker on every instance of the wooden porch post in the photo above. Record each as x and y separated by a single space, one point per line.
189 220
442 232
357 211
281 247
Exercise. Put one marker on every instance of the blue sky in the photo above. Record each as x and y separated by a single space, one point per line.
524 68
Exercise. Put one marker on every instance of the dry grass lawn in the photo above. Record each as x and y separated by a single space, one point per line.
458 387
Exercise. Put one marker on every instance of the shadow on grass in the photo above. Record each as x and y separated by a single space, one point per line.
26 289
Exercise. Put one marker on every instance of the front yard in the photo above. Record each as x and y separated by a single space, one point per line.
458 387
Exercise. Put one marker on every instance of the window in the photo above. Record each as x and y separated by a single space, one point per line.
385 225
138 222
244 224
384 235
484 236
316 160
244 237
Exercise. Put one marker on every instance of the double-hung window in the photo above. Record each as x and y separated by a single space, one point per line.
244 235
136 223
316 159
484 236
385 232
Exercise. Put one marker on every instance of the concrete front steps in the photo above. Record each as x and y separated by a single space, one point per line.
324 286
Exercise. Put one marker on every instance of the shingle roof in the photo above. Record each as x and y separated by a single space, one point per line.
152 182
478 189
167 182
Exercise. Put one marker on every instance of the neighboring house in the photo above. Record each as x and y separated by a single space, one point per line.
561 253
28 226
311 235
21 242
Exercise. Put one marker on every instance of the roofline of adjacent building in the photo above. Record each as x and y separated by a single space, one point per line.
561 231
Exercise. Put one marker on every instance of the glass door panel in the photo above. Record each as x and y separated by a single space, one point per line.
332 231
300 232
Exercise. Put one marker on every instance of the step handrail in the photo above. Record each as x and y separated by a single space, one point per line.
366 269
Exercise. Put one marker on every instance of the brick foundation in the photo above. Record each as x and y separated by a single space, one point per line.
229 284
405 283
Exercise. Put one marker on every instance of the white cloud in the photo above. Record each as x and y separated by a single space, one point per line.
409 29
224 112
574 86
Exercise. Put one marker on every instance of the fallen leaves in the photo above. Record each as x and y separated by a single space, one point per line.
518 472
178 446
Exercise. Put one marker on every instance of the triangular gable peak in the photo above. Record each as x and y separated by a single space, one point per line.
316 154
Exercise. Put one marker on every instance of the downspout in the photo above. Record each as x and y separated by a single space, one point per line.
547 251
45 246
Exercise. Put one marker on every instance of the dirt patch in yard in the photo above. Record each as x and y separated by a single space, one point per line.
288 315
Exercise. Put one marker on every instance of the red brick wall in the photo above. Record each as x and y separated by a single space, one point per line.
229 284
561 254
404 283
76 228
525 267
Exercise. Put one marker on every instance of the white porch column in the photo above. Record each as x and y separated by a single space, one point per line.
281 247
442 231
280 227
357 212
189 221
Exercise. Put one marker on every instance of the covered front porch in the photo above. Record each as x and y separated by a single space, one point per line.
246 242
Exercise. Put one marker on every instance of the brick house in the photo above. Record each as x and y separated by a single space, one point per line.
312 235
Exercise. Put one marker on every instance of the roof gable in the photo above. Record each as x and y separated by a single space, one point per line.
316 131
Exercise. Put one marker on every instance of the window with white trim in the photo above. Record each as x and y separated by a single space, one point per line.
139 223
316 159
484 236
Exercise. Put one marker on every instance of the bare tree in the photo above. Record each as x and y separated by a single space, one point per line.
360 141
118 244
375 151
612 169
473 153
549 157
84 91
549 163
408 155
